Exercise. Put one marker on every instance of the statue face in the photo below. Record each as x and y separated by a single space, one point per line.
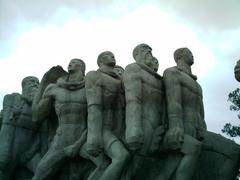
119 71
109 59
74 65
155 64
30 87
147 57
188 57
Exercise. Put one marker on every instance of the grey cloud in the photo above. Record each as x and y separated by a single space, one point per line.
13 13
207 14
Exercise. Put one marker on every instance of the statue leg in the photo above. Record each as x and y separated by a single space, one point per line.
191 149
49 164
101 162
119 155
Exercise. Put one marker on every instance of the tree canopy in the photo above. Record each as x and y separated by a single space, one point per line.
234 98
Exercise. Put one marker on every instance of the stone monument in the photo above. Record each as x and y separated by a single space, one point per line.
114 124
17 133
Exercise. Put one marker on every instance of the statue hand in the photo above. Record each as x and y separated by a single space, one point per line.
71 151
157 138
174 138
93 150
135 143
201 134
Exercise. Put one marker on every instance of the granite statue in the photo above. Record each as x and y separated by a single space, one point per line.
185 115
67 97
103 91
114 124
145 109
18 134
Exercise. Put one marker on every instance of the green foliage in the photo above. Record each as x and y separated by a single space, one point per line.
234 98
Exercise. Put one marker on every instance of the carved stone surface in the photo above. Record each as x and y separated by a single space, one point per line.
67 97
103 91
145 108
17 133
114 124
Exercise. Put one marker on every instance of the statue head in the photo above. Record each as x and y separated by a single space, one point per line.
76 65
237 71
155 64
29 87
183 55
142 53
106 58
118 70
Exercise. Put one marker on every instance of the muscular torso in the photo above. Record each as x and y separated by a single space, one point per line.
186 102
153 101
151 95
70 106
145 105
106 94
71 109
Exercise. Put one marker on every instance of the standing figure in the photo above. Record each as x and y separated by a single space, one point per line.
185 114
145 107
17 133
67 98
103 90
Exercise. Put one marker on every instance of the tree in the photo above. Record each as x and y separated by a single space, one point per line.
234 98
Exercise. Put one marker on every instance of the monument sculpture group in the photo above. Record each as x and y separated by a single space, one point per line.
113 124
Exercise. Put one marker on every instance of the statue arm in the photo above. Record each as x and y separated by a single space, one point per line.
175 134
202 123
133 93
95 113
173 98
51 76
46 104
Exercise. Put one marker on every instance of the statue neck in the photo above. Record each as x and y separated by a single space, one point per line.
184 67
106 68
75 76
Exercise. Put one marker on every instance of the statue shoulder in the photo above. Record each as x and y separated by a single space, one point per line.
172 71
10 99
92 76
132 68
50 89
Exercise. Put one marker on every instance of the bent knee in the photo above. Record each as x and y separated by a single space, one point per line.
122 157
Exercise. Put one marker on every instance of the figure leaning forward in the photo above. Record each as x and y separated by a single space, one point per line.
67 98
103 92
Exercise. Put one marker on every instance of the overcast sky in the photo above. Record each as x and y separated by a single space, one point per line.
38 34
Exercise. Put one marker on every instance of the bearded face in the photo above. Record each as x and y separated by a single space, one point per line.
29 87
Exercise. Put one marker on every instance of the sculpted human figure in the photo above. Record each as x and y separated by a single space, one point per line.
185 113
103 88
17 132
145 107
67 98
